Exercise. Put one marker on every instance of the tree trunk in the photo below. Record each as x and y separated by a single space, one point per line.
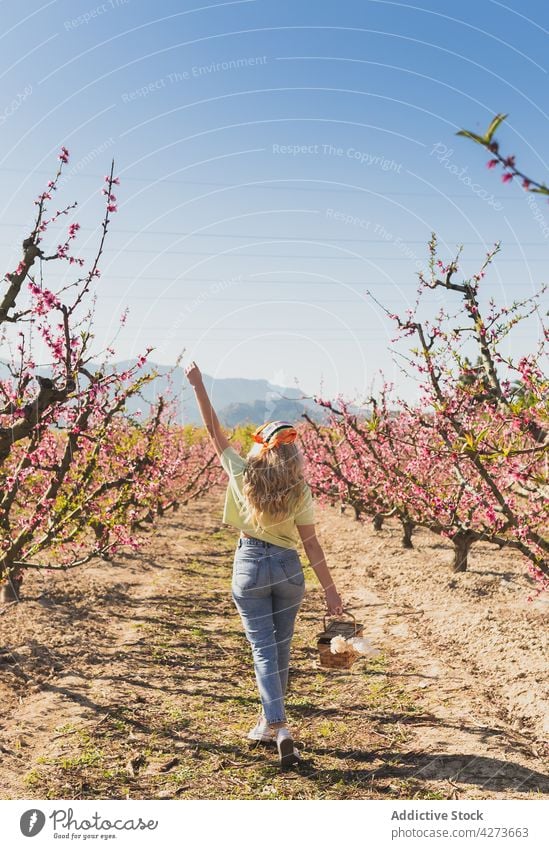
98 529
463 541
378 521
357 512
9 591
407 528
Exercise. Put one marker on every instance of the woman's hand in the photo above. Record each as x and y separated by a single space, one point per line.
333 601
193 374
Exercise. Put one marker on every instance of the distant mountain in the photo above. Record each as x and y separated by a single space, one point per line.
236 400
258 412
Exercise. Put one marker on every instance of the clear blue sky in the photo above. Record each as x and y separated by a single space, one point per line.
277 159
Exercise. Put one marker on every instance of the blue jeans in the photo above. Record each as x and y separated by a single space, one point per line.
267 588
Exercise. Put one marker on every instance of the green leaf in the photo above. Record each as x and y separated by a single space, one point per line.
478 139
494 124
486 139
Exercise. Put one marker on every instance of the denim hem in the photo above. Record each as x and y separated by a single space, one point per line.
278 719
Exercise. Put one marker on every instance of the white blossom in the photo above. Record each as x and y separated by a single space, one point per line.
364 647
338 645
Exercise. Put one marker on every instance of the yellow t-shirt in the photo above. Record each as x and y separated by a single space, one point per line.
281 532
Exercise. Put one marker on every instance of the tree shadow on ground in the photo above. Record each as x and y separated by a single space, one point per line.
491 774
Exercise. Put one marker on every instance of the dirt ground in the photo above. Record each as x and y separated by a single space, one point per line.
133 679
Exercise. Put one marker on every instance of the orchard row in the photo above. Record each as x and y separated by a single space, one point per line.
79 475
469 458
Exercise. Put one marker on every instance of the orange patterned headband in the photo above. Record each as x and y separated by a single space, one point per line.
275 433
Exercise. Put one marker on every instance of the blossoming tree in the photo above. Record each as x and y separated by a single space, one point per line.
469 459
77 474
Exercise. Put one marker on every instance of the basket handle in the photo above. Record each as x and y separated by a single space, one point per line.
348 612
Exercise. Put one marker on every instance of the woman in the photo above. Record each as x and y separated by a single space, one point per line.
269 501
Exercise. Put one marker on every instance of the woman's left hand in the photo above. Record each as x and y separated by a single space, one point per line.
333 601
193 374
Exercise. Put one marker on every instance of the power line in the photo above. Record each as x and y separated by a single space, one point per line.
239 300
250 300
156 180
269 236
267 285
284 329
319 257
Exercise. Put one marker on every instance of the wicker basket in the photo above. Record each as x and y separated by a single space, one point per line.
341 660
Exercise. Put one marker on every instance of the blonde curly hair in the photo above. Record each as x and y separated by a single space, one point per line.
273 483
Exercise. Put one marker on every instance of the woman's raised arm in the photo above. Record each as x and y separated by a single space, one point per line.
209 417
